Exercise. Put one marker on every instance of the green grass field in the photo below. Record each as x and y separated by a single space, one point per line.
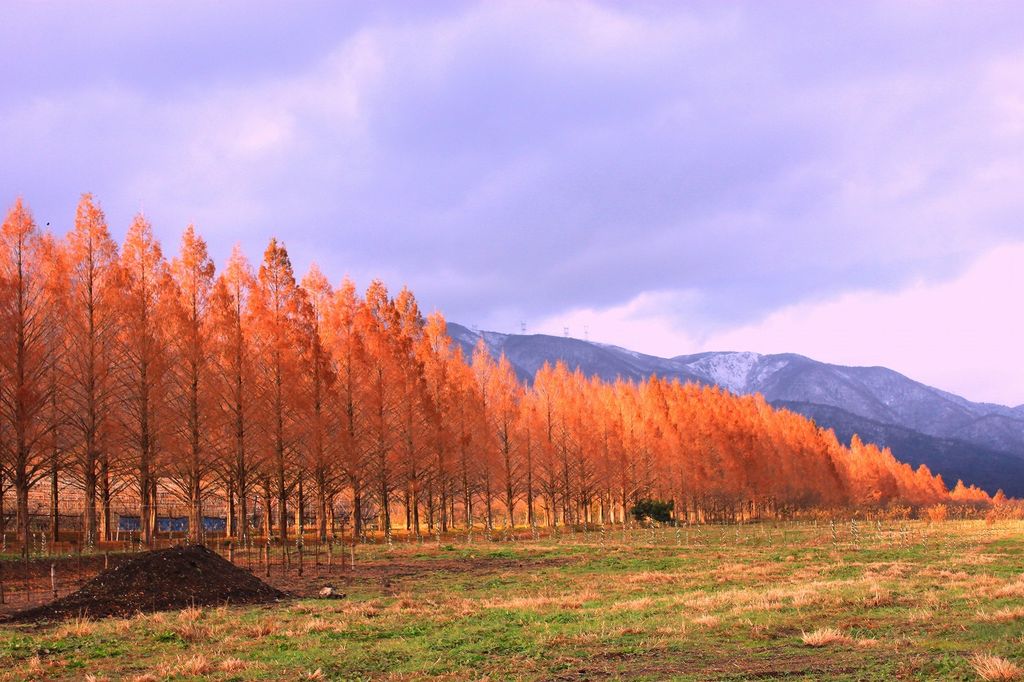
906 600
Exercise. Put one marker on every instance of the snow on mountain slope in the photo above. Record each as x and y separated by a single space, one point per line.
728 370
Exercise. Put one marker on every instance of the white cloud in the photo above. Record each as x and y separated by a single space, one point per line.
666 172
965 335
649 323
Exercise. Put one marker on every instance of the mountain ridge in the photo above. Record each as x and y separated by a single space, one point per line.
981 443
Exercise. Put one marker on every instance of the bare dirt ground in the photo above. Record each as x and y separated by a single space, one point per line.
29 584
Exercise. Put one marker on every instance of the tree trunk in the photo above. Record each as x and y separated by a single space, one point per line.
54 501
105 498
89 522
21 496
231 519
321 512
300 505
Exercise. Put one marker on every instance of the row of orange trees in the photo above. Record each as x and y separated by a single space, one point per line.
123 372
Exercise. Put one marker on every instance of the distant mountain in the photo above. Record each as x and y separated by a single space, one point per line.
955 459
980 443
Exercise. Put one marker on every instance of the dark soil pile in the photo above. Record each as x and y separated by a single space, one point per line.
161 580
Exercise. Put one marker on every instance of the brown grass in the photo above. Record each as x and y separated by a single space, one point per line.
192 632
35 664
232 665
573 600
1004 615
707 620
79 627
879 596
824 637
317 625
920 616
653 578
194 666
995 669
190 615
260 629
641 604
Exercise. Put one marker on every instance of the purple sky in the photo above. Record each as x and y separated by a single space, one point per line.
843 180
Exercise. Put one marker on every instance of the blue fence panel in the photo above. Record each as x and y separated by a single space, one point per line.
129 523
172 524
216 524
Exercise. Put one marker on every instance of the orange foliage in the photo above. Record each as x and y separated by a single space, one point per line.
269 396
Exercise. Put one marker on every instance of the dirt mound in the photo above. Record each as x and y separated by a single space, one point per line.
161 580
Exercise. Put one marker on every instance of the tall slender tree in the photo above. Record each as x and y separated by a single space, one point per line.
318 385
191 286
234 384
27 325
90 359
349 360
144 351
277 305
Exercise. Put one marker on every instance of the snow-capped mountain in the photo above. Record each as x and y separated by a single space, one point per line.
981 443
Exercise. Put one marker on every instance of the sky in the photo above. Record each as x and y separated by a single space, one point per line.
841 180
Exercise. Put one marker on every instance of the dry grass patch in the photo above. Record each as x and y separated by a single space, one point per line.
1004 615
190 614
984 583
803 597
562 601
145 677
673 630
35 666
641 604
653 578
824 637
995 669
747 571
408 603
79 627
1014 588
192 632
366 609
920 616
302 608
578 639
762 602
758 630
195 666
751 599
707 620
232 665
260 629
124 625
877 596
704 601
972 559
316 626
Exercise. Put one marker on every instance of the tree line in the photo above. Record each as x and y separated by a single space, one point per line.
124 372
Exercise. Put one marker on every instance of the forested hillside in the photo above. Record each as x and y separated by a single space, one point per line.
981 443
125 373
